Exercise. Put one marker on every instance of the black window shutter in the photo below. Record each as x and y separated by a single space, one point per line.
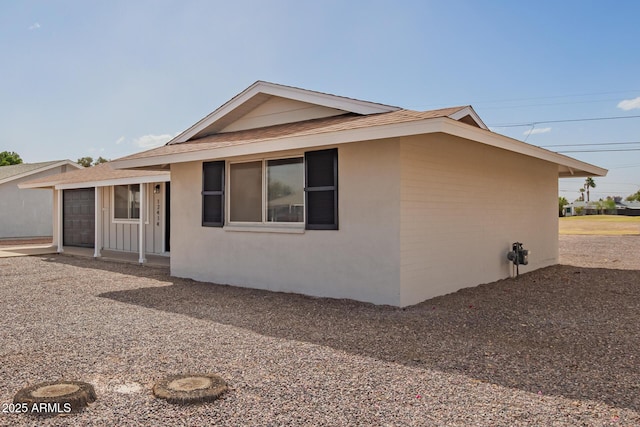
321 190
213 194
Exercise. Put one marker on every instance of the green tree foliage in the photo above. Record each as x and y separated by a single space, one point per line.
562 202
85 161
635 197
88 161
9 158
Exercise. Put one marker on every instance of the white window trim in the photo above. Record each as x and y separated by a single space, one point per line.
263 226
115 220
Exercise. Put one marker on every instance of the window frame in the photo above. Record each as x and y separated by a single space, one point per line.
264 194
129 219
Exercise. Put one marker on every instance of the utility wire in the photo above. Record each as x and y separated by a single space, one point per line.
591 119
585 145
598 151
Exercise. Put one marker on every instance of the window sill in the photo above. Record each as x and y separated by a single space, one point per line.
125 221
264 229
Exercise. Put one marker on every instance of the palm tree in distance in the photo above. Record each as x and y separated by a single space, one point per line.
581 194
589 183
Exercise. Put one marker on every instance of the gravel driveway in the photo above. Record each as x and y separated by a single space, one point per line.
559 346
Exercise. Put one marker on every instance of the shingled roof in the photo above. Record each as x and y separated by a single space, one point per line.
13 172
98 175
343 122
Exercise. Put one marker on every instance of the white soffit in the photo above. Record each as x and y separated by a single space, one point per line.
261 91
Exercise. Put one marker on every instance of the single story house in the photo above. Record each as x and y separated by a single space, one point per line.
25 214
293 190
102 208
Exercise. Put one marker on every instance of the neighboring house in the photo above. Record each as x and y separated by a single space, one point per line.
103 208
293 190
25 214
628 208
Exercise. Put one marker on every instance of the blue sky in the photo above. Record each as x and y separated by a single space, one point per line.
90 78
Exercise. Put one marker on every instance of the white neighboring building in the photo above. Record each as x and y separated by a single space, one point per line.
25 214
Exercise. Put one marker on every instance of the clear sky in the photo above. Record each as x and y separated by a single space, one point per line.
110 78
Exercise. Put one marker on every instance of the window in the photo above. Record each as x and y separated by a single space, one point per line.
126 202
284 191
273 191
213 194
321 191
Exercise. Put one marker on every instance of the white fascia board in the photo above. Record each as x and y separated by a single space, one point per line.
500 141
110 182
326 100
469 111
42 169
418 127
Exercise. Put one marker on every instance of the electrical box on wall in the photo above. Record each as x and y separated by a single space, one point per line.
518 256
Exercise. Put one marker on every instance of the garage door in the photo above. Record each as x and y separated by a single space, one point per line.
79 217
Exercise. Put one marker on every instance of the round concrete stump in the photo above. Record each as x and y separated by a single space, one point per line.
190 388
56 397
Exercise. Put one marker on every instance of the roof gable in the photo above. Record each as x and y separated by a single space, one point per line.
14 172
311 105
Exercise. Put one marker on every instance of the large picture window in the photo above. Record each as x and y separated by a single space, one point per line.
274 191
126 202
280 182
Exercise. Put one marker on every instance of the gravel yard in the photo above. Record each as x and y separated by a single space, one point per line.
558 346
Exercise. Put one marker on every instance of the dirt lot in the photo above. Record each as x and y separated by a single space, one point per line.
601 225
558 346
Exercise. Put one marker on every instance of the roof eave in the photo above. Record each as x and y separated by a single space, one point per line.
418 127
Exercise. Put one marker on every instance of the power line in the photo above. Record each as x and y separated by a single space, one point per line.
591 119
477 102
598 151
586 145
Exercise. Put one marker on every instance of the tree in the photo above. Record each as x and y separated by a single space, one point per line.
85 161
589 183
88 161
581 194
562 202
9 158
635 197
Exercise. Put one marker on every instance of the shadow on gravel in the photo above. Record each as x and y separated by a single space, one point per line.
152 272
562 330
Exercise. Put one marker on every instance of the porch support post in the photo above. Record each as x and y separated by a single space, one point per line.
142 235
97 240
60 221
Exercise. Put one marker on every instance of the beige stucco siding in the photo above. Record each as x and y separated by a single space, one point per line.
359 261
462 205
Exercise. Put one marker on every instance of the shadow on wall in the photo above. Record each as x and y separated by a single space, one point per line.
561 330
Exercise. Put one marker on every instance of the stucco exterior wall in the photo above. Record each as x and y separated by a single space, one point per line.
359 261
462 206
26 212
